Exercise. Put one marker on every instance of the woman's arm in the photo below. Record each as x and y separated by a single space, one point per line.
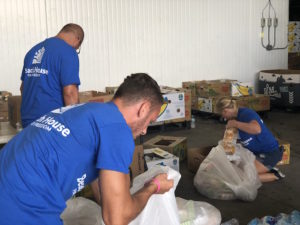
252 127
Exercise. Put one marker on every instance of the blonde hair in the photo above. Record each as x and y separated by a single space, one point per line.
226 103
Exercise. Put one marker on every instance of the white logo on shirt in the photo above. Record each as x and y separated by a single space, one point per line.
80 184
47 123
247 142
38 56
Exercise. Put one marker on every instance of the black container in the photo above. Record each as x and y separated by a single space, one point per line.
283 87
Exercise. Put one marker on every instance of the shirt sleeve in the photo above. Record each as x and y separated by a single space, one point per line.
69 73
249 115
116 148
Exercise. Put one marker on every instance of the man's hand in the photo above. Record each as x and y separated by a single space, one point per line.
162 183
118 205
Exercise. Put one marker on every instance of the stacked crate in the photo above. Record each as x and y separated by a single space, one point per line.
206 93
4 105
177 106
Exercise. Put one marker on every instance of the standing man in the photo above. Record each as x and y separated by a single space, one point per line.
68 148
50 75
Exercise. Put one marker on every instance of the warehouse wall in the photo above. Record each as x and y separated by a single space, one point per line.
172 40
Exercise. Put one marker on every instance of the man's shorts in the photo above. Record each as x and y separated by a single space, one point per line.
270 159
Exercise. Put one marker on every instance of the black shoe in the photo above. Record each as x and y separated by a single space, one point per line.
277 173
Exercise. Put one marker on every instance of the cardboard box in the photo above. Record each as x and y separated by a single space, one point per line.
191 85
174 145
4 104
174 107
4 95
214 88
157 156
241 89
195 156
111 90
286 152
14 110
256 102
187 105
94 96
4 116
137 165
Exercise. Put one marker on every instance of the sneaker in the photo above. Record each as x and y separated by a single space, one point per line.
277 173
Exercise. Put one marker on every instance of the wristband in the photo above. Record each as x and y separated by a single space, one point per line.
154 180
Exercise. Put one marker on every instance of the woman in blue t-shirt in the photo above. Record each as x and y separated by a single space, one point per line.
254 136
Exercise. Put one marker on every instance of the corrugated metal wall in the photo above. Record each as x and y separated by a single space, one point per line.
172 40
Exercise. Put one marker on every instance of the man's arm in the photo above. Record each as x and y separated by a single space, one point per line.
70 94
21 88
118 205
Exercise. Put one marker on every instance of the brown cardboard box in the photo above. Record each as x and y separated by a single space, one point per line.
4 95
256 102
213 88
3 116
111 90
137 165
191 85
94 96
175 145
286 152
3 103
195 156
3 106
14 110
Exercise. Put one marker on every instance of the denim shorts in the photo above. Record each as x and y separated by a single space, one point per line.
270 159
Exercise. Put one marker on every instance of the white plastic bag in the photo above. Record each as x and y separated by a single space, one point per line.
161 208
218 178
197 213
81 211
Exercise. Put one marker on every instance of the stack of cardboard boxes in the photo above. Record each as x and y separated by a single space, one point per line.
14 110
94 96
177 106
206 93
4 105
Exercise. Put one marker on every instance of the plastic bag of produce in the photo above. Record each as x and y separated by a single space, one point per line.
219 178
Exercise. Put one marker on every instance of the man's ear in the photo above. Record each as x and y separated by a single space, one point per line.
144 109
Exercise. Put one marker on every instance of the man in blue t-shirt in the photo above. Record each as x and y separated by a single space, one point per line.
61 152
255 136
50 75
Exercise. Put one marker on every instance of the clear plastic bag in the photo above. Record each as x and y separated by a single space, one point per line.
81 211
161 208
219 178
197 213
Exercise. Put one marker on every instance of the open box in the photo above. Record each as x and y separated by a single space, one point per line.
195 157
174 145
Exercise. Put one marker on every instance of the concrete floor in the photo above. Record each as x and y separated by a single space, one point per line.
273 198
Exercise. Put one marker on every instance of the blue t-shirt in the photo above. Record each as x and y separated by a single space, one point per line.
56 156
48 68
257 143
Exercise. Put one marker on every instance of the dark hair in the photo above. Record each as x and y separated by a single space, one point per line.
75 29
137 87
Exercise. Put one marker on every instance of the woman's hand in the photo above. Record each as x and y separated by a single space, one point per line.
232 124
